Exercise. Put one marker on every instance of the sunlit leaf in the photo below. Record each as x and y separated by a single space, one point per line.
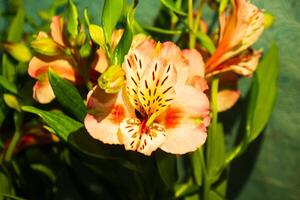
72 19
112 11
97 35
185 189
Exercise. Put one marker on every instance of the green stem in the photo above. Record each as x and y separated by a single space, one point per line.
12 146
198 17
214 109
192 38
16 138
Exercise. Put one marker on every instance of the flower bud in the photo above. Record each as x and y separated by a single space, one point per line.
19 51
46 46
112 79
269 20
80 39
12 101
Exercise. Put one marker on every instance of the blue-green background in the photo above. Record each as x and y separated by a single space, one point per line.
271 170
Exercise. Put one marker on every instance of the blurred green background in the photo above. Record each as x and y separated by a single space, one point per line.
271 168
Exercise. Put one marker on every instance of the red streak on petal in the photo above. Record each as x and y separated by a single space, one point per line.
173 116
118 113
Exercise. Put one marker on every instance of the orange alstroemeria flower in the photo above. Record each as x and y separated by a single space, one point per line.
61 64
238 32
162 104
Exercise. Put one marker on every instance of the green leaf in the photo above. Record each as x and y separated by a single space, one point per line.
16 27
97 35
263 93
72 19
125 42
59 122
172 6
7 85
6 187
186 189
112 11
215 151
197 167
206 42
3 111
67 95
8 68
166 164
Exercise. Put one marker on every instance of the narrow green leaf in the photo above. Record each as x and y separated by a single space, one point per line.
3 111
8 68
67 95
166 164
197 167
16 27
112 11
72 19
6 84
215 151
263 93
206 42
6 187
186 189
125 42
223 5
170 4
59 122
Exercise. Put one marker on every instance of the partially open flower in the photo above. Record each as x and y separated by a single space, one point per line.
161 106
53 58
238 32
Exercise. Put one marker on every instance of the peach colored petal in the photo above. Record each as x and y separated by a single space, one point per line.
185 121
57 30
116 37
144 140
42 91
227 99
106 112
198 82
196 64
244 65
101 62
40 65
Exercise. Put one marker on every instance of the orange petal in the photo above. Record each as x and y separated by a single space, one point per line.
242 28
42 91
106 112
185 121
57 30
40 65
101 62
227 99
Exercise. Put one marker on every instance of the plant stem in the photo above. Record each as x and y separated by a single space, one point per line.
214 108
12 145
192 37
16 138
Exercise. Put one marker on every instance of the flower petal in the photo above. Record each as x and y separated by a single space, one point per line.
185 121
196 64
106 111
42 91
242 28
145 140
57 30
227 99
156 89
63 67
